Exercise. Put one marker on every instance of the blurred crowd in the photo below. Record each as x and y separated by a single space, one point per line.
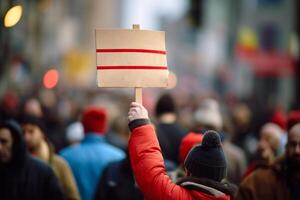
57 145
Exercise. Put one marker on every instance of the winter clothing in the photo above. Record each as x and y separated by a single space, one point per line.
25 177
149 170
58 165
118 183
65 176
187 143
279 118
169 133
208 115
236 161
169 136
293 118
62 172
87 161
207 160
274 182
74 132
94 120
165 104
208 186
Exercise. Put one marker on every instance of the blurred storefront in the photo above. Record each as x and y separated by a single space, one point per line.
228 49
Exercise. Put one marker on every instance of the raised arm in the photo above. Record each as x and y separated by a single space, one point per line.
146 159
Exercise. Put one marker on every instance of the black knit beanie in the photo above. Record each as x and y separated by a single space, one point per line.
207 160
165 104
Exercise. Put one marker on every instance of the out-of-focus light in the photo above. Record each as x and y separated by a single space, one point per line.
12 16
247 38
50 79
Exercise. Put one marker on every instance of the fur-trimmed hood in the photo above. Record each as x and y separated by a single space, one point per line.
208 186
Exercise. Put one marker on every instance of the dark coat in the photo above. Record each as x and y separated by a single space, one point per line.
118 183
169 137
25 177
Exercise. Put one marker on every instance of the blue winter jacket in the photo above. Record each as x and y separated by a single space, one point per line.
87 161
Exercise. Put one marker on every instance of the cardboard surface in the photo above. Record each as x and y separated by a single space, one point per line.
131 58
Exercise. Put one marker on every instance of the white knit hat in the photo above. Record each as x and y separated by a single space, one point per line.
74 132
208 113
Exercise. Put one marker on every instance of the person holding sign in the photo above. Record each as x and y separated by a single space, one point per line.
205 164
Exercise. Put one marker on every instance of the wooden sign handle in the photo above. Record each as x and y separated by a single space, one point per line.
138 90
138 95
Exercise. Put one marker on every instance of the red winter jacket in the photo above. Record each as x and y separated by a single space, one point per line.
149 170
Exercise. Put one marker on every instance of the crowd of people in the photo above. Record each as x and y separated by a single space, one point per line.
108 149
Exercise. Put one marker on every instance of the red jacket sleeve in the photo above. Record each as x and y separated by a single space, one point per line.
148 167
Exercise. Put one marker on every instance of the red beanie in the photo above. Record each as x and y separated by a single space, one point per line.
293 118
94 120
280 119
187 144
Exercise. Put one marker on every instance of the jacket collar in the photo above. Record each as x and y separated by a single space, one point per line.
203 188
208 186
92 138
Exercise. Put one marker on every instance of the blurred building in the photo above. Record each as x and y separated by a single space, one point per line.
241 49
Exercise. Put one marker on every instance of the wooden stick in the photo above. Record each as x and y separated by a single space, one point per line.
138 95
138 91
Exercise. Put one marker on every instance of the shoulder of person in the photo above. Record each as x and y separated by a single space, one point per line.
39 166
261 176
59 161
69 150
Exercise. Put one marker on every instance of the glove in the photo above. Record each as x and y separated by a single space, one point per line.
137 111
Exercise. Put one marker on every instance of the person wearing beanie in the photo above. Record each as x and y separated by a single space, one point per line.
293 118
21 175
207 160
187 143
89 158
208 116
149 169
74 133
169 133
40 147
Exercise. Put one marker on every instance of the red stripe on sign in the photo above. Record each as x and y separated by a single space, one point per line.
131 67
130 51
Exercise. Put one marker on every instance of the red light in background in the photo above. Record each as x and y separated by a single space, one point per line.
50 79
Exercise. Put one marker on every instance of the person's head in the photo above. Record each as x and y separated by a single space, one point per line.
74 133
293 118
293 146
12 147
94 120
270 135
280 118
241 116
207 160
33 107
165 104
6 145
34 131
187 143
208 115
